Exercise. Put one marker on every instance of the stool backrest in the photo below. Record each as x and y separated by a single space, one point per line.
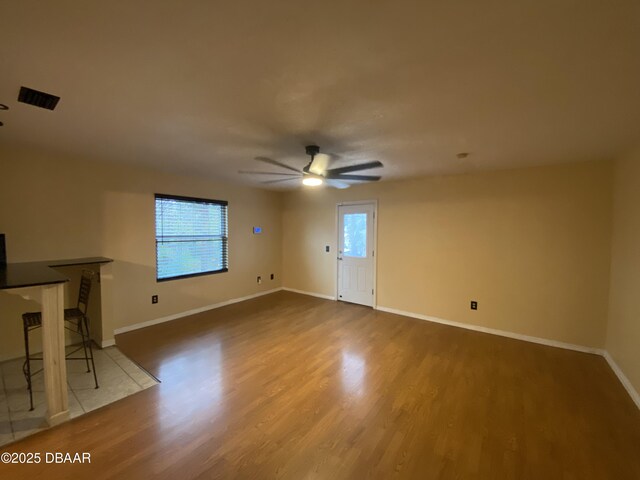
85 290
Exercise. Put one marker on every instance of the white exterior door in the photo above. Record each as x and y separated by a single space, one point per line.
356 252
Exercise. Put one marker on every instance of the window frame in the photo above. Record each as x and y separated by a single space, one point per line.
222 203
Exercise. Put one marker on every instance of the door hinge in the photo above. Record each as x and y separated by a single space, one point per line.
372 291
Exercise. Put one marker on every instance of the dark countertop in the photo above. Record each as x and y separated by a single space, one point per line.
31 274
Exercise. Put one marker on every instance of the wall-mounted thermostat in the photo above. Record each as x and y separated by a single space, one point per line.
257 230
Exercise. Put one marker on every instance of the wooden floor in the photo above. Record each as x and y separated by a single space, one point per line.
290 386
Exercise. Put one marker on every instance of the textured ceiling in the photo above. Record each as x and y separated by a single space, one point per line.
204 87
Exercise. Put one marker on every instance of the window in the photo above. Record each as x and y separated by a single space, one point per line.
355 235
191 237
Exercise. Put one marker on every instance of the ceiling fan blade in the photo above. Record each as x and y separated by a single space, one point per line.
271 161
270 173
281 180
337 183
320 163
354 168
360 178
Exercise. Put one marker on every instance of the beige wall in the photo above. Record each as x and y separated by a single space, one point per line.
54 207
623 334
532 246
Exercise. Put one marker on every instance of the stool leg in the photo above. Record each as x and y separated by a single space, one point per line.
86 326
84 344
28 366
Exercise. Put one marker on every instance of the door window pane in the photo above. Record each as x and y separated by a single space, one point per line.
355 235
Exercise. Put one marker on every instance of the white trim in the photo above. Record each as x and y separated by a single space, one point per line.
168 318
633 393
357 202
108 343
8 358
373 202
493 331
312 294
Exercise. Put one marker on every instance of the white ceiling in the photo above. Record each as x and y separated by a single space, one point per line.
204 87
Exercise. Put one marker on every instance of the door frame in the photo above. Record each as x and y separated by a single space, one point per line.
375 246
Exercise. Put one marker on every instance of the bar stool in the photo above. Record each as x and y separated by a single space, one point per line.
77 317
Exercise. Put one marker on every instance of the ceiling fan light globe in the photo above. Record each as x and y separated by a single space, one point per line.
312 181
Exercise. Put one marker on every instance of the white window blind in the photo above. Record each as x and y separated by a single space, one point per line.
191 237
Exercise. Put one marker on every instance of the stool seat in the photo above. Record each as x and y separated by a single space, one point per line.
34 319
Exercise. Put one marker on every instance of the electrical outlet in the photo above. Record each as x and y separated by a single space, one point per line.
272 276
154 298
259 280
474 305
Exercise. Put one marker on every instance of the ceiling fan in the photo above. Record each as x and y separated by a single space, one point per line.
316 173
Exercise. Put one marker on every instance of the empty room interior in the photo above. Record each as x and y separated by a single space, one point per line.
310 240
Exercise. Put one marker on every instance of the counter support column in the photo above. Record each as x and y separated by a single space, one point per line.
53 353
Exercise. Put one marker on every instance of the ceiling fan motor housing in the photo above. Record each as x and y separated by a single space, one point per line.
312 150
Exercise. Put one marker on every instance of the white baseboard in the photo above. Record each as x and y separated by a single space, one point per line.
494 331
137 326
108 343
635 396
7 358
312 294
633 393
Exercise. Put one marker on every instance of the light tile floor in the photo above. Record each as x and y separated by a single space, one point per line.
118 377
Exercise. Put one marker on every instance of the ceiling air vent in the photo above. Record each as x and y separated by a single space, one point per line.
38 99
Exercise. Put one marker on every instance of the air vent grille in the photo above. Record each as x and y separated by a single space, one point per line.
38 99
